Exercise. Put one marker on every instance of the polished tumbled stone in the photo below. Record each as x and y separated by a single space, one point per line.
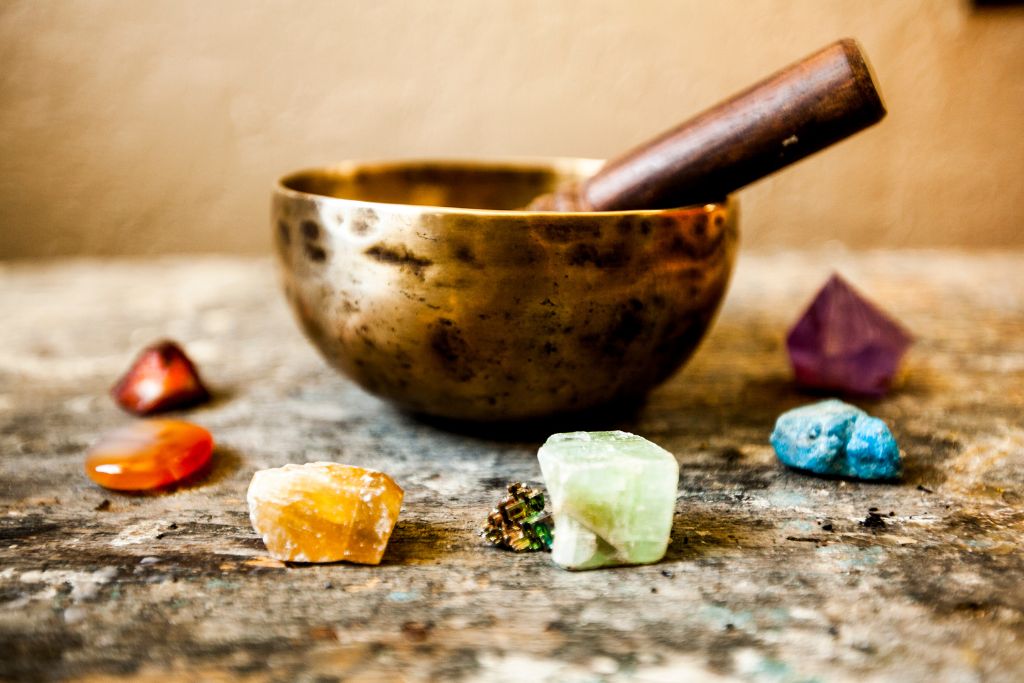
162 378
324 512
613 497
835 438
149 454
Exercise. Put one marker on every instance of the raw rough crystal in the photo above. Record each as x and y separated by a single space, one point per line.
613 496
519 522
324 512
835 438
161 378
844 343
148 454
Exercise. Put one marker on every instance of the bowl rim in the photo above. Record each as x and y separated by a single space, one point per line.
568 165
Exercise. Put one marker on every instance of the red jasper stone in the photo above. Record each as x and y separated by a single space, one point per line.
148 454
161 378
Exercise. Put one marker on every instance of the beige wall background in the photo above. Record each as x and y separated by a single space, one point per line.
147 126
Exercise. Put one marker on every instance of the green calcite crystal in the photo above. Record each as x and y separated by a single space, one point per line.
613 495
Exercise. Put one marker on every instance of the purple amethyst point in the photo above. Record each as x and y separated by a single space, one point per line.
845 343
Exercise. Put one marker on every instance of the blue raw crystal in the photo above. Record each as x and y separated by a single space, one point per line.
835 438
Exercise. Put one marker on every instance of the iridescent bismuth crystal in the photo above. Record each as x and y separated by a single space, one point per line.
519 522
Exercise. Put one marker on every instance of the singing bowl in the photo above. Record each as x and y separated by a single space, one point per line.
423 283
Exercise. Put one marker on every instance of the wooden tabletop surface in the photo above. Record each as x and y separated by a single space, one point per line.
756 585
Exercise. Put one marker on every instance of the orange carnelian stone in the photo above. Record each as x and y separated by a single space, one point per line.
324 512
161 378
148 454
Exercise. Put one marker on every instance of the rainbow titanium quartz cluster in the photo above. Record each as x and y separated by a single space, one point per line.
613 495
519 522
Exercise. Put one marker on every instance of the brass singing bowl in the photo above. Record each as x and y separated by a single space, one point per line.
423 283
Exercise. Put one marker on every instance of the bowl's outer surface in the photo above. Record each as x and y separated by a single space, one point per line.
492 314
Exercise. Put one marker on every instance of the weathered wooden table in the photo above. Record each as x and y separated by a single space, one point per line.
770 576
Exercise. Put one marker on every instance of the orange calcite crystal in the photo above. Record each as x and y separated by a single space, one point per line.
324 512
148 454
161 378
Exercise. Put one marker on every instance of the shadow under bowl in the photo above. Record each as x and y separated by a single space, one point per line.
422 283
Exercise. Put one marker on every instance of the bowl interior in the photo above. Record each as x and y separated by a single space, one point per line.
454 184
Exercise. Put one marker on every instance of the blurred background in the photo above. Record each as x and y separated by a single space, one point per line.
159 126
